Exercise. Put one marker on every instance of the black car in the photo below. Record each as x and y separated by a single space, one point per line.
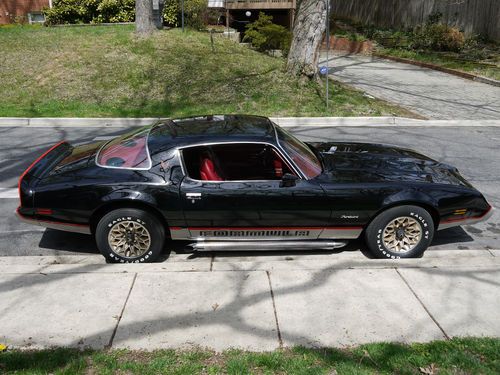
243 183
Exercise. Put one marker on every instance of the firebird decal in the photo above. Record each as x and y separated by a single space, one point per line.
255 233
180 233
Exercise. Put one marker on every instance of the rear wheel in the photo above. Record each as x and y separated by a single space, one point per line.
130 236
400 232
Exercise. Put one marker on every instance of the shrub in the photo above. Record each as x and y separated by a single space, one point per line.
66 11
264 35
195 13
99 11
115 11
89 11
171 13
436 36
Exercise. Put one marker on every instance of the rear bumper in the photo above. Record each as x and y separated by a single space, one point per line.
66 227
466 221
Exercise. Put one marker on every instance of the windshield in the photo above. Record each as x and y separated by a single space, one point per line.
129 151
300 153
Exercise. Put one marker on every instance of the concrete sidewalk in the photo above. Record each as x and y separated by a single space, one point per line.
256 303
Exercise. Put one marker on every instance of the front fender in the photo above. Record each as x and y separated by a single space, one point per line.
409 197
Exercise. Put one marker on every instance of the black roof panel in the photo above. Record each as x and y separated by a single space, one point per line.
216 125
212 128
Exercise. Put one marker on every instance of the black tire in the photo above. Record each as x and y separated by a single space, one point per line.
374 232
154 234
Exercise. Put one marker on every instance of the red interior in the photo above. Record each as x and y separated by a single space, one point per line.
207 170
278 167
133 156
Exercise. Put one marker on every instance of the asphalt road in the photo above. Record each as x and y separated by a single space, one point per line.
430 93
475 151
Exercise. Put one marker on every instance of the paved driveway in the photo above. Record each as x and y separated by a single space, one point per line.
427 92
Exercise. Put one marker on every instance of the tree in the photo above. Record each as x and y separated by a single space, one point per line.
144 21
308 31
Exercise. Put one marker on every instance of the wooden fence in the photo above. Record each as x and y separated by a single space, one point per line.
471 16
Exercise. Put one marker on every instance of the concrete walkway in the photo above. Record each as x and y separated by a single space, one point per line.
257 303
428 92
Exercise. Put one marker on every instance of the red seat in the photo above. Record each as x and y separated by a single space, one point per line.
207 170
278 167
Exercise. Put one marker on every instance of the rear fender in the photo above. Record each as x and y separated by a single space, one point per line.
40 167
129 199
126 195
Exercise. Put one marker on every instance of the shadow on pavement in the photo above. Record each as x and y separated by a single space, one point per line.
451 236
66 241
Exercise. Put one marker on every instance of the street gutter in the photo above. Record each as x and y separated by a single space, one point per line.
281 121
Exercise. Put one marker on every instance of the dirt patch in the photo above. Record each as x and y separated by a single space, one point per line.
350 46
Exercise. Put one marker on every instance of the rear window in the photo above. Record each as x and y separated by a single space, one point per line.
128 152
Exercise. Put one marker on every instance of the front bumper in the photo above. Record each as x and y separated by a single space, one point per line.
466 221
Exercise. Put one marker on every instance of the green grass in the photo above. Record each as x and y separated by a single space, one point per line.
457 356
106 71
448 60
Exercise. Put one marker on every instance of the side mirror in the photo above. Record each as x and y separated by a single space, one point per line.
288 180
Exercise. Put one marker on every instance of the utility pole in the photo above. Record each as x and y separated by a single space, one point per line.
227 20
327 50
182 16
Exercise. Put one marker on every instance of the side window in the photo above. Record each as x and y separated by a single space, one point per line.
234 162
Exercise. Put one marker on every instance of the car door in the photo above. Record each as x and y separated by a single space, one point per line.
245 205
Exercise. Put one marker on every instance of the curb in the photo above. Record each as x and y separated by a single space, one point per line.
281 121
454 72
348 260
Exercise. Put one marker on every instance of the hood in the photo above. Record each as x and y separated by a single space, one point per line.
366 162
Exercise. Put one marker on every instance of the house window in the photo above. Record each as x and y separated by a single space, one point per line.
36 17
234 162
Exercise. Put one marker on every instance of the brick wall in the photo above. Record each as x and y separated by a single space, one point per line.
11 10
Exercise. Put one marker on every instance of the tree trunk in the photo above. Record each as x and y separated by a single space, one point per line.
308 33
144 22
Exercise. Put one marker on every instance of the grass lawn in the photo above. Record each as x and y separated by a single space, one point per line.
449 60
457 356
106 71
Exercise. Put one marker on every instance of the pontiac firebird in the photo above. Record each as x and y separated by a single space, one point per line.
234 182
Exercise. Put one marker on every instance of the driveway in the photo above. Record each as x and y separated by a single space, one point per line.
430 93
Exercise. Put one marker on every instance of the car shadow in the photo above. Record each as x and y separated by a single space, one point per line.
68 241
451 236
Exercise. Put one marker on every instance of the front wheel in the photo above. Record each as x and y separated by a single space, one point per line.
130 236
400 232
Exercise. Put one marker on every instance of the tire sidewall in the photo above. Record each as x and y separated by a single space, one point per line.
144 218
375 231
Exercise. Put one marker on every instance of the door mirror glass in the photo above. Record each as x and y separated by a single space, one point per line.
288 180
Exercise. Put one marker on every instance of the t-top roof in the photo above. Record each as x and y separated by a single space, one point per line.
217 125
211 128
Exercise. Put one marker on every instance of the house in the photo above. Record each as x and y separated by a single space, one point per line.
22 11
238 13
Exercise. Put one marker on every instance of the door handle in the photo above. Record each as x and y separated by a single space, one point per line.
193 196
